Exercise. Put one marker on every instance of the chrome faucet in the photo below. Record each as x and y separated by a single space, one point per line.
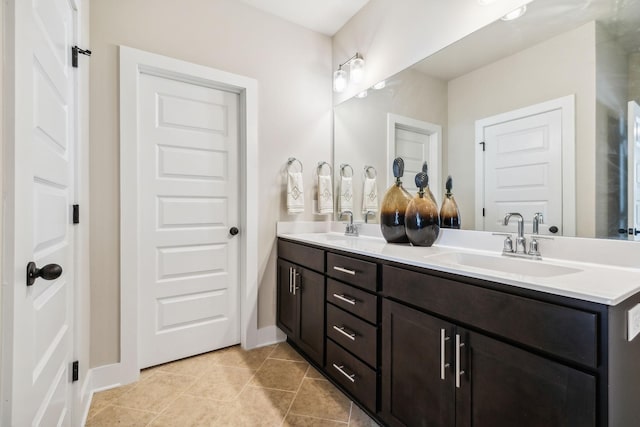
521 242
351 228
366 216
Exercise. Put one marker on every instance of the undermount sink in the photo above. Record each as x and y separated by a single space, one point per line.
502 264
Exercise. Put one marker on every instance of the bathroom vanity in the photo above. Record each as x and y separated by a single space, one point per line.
419 340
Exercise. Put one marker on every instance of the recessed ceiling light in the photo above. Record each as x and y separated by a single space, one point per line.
362 94
515 14
380 85
485 2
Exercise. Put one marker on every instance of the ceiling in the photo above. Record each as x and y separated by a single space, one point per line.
323 16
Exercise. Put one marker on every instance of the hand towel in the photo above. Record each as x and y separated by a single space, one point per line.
325 194
295 193
370 195
346 194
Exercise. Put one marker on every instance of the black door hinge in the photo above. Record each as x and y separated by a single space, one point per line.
76 214
75 50
74 371
482 211
483 145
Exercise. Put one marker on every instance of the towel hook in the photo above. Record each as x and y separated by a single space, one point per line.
293 160
321 164
368 169
342 169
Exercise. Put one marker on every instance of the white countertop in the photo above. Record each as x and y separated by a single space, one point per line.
589 281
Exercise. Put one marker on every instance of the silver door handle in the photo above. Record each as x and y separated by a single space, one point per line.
351 336
443 365
345 298
295 281
350 377
459 372
344 270
290 280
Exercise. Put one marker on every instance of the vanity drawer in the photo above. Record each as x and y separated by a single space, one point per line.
562 331
303 255
353 300
356 335
353 271
352 374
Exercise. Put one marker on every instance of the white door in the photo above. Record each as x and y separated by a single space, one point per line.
189 296
38 333
524 164
634 170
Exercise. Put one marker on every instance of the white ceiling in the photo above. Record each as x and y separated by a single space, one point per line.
323 16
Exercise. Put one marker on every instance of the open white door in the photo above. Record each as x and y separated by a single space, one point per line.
634 170
39 183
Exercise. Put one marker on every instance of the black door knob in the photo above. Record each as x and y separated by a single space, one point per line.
48 272
553 229
233 231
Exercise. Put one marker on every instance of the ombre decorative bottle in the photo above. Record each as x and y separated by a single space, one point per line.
449 213
427 191
422 223
393 207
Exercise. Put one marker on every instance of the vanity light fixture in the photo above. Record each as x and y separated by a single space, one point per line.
515 14
380 85
356 73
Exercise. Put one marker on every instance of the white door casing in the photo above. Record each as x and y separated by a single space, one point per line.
133 63
633 159
39 169
416 141
525 164
188 141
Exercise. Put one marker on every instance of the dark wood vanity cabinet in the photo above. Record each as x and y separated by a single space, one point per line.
300 299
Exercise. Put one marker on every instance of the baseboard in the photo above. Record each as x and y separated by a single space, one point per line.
267 336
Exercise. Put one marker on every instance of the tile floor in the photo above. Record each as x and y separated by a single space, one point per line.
269 386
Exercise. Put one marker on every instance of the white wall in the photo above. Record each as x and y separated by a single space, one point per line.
554 68
293 69
393 35
634 77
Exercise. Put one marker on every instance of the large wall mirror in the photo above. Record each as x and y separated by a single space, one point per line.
537 114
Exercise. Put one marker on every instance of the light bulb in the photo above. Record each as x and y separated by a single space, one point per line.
339 80
356 74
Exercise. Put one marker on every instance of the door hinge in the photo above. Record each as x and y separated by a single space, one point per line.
75 50
483 145
75 367
482 211
76 214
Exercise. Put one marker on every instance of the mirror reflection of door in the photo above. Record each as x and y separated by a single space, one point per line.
520 166
634 170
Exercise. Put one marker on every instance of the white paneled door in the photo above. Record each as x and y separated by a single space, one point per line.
38 323
189 292
634 170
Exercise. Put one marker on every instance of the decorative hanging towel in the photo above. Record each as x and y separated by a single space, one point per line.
346 193
370 195
295 193
325 194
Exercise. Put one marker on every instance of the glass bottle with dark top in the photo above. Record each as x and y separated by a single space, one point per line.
422 223
427 191
393 207
449 213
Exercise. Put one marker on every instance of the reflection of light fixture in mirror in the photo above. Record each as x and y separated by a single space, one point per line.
380 85
515 14
356 73
485 2
362 94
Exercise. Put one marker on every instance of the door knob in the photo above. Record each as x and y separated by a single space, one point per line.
233 231
48 272
553 229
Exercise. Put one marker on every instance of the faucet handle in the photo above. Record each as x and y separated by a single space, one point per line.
508 242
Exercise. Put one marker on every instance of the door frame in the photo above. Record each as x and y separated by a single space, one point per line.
133 62
633 110
567 106
433 132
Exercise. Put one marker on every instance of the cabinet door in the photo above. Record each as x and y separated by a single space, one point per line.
413 391
286 300
505 386
311 289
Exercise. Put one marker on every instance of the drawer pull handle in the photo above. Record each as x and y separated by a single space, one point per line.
344 270
345 298
443 365
459 372
350 335
350 377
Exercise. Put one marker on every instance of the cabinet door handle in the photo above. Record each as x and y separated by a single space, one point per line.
344 270
290 280
350 377
443 365
346 333
459 372
345 298
296 275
